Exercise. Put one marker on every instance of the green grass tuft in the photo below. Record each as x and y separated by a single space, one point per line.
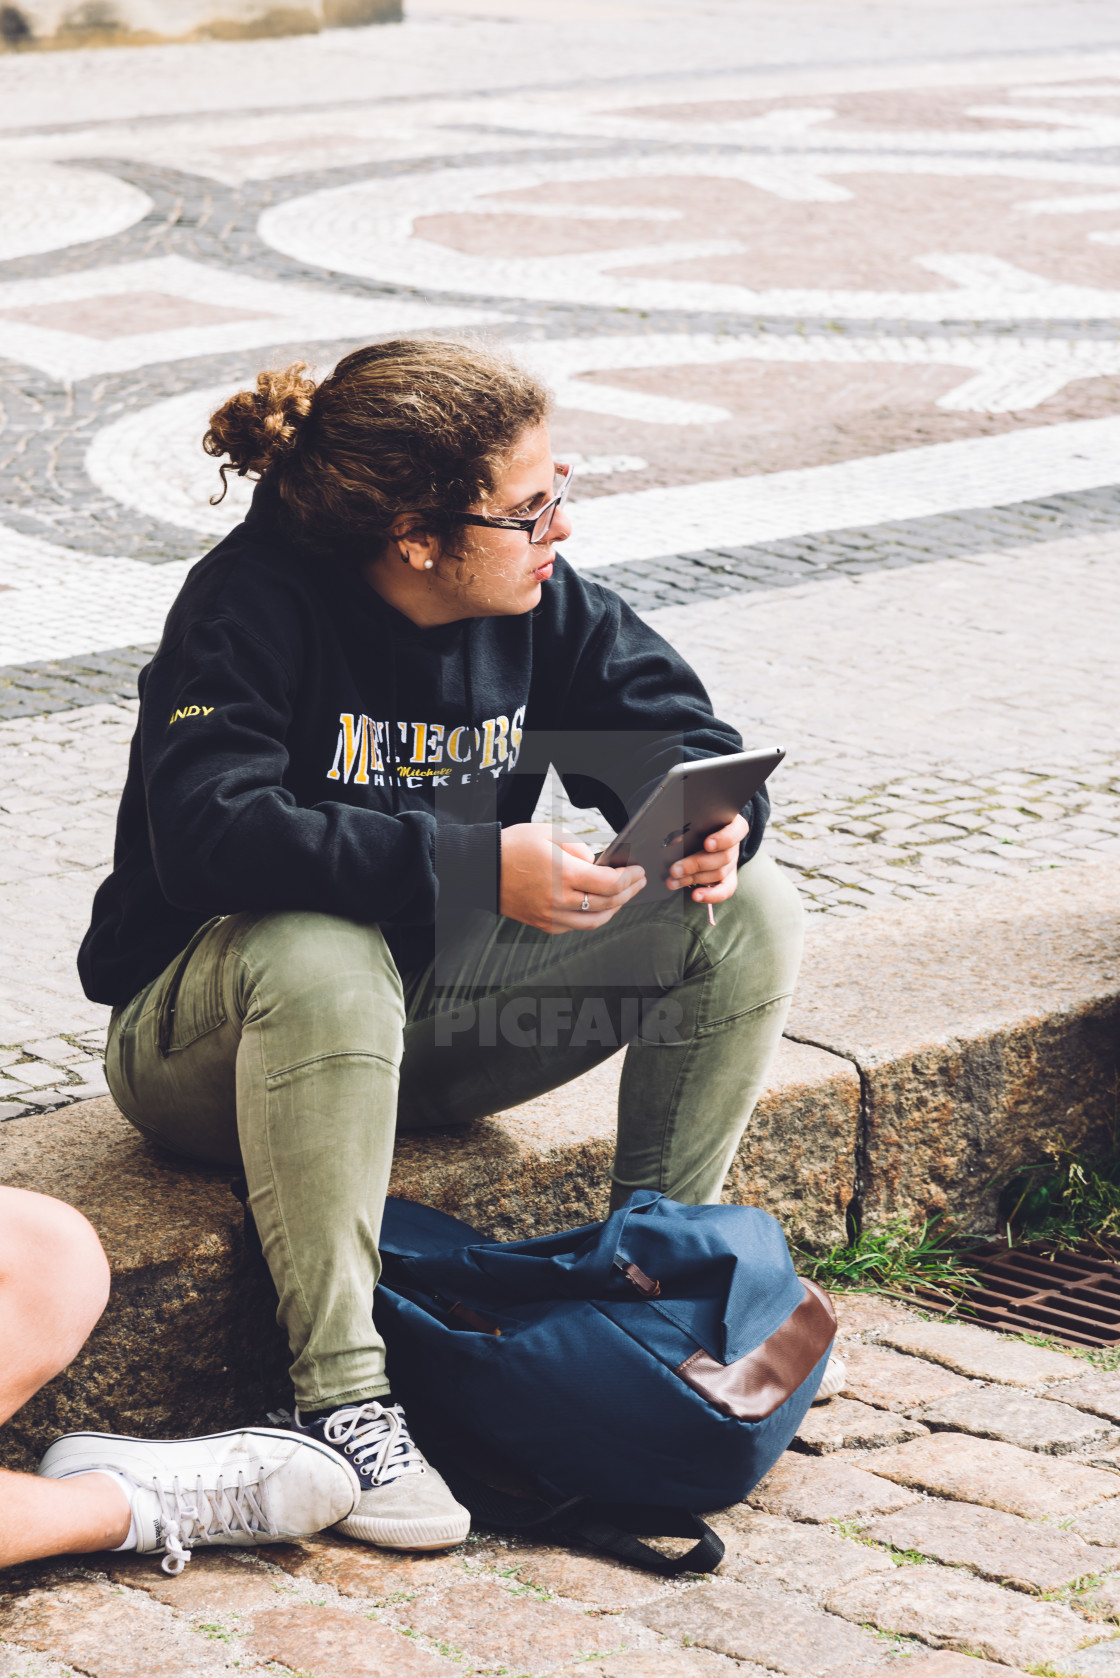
1067 1197
898 1255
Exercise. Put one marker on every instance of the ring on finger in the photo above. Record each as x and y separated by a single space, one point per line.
586 904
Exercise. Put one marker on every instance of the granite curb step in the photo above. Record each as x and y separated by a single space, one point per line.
930 1050
36 26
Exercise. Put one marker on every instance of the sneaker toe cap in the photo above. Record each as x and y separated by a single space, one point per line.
313 1488
414 1512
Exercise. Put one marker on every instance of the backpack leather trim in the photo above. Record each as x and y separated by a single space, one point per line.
752 1388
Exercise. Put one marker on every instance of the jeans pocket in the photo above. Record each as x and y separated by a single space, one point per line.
192 1004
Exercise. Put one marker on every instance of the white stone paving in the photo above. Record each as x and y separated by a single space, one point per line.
269 312
60 780
58 601
910 483
46 206
944 723
248 148
450 47
367 228
1012 374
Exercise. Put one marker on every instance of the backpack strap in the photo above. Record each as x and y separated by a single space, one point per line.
503 1511
590 1526
610 1529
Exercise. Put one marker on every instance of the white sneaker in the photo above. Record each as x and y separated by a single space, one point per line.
257 1485
405 1504
833 1381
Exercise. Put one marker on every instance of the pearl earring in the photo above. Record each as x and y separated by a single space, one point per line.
427 565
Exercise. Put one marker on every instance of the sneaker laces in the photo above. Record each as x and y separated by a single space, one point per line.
200 1517
376 1436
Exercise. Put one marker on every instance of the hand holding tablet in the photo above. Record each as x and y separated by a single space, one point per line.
695 800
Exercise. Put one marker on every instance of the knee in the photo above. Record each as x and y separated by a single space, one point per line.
314 951
766 912
54 1275
758 935
324 968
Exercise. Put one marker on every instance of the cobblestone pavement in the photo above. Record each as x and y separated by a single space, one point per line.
961 1498
831 316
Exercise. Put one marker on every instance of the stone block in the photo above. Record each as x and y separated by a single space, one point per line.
1104 1599
104 1633
1097 1393
815 1489
56 24
979 1023
981 1354
55 1049
331 1643
953 1610
771 1629
798 1158
1037 1424
844 1424
1028 1555
544 1165
999 1476
361 1570
763 1549
866 1313
215 1586
947 1665
1099 1526
1102 1661
1105 1455
892 1381
596 1580
664 1662
493 1627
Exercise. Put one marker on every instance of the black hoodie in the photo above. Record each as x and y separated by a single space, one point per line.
302 745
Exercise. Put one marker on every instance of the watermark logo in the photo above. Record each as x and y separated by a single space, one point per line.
553 1022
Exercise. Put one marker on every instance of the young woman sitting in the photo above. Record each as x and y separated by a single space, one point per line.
331 914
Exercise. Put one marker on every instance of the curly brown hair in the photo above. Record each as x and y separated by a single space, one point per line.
418 426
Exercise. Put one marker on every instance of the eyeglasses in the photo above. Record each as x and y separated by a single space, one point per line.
538 526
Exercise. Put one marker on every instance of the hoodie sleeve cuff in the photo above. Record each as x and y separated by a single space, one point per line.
756 813
468 867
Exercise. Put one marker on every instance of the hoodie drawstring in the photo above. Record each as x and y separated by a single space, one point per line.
468 698
394 728
393 754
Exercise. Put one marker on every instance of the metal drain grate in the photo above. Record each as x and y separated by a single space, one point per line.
1067 1295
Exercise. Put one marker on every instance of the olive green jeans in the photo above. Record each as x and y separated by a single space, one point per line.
288 1044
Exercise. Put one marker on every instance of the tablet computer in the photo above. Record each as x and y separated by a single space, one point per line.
694 799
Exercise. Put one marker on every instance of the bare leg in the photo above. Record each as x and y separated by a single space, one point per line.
60 1517
54 1282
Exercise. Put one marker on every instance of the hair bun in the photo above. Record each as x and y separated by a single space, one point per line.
256 427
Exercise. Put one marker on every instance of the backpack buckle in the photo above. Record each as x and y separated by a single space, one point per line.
646 1286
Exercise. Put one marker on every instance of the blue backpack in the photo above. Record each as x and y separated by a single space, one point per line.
637 1370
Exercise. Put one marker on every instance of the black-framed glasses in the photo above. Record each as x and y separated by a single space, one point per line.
539 524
